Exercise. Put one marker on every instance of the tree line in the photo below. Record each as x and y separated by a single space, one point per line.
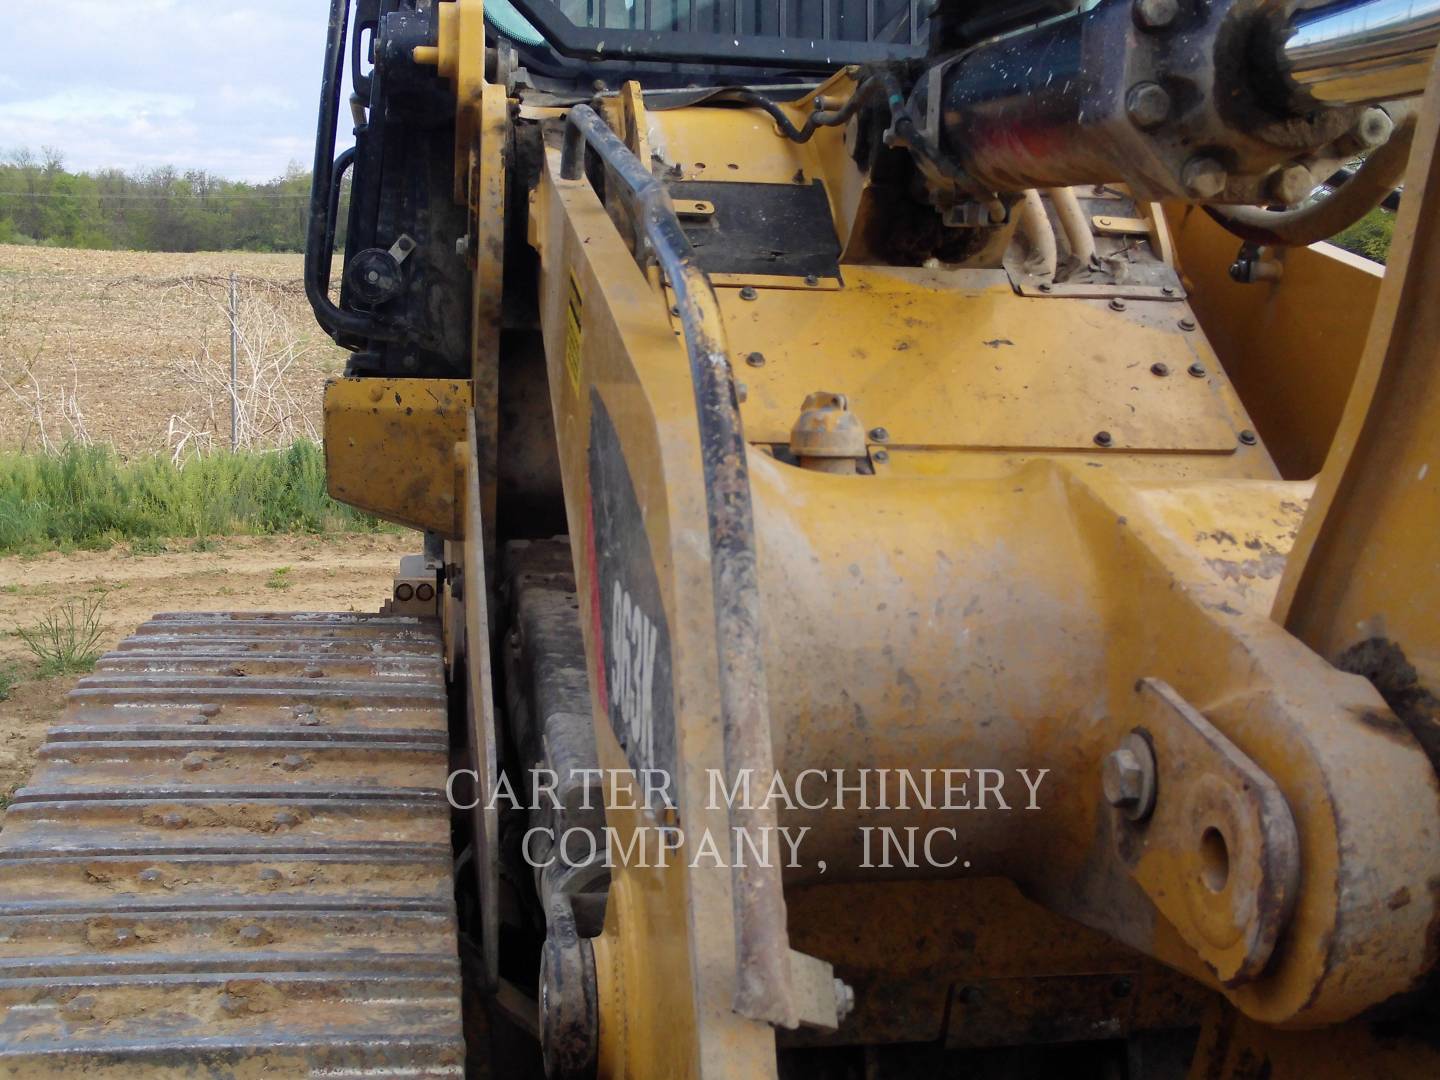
161 209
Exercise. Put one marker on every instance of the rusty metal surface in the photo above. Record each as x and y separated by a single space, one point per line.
234 859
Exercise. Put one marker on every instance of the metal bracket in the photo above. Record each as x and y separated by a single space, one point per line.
1220 855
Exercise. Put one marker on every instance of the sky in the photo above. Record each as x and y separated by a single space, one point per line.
228 86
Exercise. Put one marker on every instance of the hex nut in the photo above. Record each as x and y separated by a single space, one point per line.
1147 104
1203 177
1291 185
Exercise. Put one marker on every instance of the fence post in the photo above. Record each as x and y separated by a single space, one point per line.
234 367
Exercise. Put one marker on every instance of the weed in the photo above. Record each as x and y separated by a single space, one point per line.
279 578
203 544
10 589
148 545
67 640
85 497
9 679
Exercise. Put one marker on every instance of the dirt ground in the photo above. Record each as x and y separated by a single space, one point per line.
133 348
326 573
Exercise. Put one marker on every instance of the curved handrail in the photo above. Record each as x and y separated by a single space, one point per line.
763 985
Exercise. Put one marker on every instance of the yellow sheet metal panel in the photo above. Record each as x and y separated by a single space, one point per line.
1290 346
957 359
389 446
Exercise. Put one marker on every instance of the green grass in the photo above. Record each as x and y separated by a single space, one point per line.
1370 236
67 640
88 498
9 679
279 578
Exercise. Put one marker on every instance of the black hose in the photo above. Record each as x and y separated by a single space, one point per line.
817 119
1377 176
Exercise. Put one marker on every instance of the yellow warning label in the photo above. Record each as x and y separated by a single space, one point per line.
573 334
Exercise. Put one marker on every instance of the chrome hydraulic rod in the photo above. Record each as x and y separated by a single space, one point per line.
1361 51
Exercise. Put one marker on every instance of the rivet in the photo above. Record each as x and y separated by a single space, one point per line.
811 280
1160 369
1187 324
1045 286
1167 290
675 310
881 456
1248 437
755 359
1197 369
748 292
1103 438
879 434
1117 304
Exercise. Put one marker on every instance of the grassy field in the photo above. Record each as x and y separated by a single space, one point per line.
132 350
88 498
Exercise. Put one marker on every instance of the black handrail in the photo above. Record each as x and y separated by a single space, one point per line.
320 238
763 987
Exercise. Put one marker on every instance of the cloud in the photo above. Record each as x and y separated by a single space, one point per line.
154 82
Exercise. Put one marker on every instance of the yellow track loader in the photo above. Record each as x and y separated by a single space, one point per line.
930 569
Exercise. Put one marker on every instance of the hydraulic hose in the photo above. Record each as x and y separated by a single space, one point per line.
1352 200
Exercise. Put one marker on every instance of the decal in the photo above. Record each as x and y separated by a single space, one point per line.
628 618
574 335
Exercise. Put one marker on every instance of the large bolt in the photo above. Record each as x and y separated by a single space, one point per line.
1147 105
1204 177
1155 14
1127 776
1373 128
1291 185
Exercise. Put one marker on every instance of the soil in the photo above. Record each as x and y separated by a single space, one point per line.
326 573
132 348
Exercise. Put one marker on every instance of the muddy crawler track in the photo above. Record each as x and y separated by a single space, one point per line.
234 859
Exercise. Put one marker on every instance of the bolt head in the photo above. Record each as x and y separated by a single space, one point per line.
1187 324
1248 437
1373 128
1147 104
879 434
1197 370
1155 14
1123 778
1117 304
1291 185
1160 368
1104 438
748 292
1203 177
1127 777
755 359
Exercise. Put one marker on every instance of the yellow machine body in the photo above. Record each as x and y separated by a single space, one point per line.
1071 519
